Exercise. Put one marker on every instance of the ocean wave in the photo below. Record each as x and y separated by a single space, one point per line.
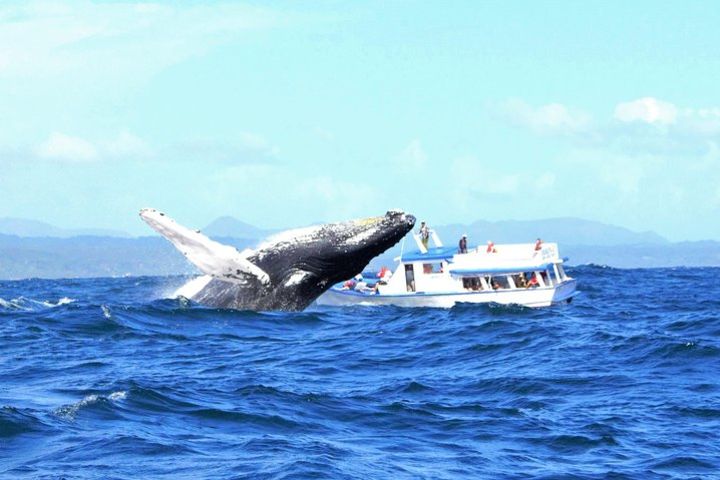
29 304
121 384
15 421
72 410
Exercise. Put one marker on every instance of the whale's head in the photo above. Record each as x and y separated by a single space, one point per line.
304 263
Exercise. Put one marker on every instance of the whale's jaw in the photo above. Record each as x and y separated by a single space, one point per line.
288 271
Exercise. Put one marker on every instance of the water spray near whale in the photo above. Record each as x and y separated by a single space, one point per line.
288 271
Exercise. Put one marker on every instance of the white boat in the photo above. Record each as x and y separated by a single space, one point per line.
528 274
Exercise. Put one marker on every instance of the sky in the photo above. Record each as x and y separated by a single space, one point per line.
288 113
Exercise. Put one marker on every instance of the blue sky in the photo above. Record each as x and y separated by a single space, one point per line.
288 113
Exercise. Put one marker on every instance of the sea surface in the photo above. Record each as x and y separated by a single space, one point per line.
108 378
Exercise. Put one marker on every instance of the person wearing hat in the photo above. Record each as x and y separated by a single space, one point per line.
360 284
462 244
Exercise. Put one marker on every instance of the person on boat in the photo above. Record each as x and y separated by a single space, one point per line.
538 245
521 282
495 285
491 247
361 285
533 282
384 275
349 285
462 244
424 234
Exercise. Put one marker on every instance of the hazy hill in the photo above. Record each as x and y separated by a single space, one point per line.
230 227
33 228
89 256
566 231
37 249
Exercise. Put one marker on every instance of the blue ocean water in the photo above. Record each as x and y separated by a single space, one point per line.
104 378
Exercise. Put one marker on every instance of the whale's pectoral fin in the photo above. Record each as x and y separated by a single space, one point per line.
212 258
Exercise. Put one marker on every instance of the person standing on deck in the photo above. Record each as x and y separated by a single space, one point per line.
424 234
462 244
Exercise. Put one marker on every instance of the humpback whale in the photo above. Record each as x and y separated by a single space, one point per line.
288 271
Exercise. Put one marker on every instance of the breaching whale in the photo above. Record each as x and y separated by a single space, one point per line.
289 270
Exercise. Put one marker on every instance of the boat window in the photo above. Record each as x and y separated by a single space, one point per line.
432 267
410 278
471 283
520 280
499 282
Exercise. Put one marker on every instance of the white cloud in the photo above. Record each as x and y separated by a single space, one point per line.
553 118
413 156
644 126
648 110
71 37
702 122
127 145
258 143
66 148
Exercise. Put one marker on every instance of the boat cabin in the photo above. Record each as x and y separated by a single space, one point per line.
505 267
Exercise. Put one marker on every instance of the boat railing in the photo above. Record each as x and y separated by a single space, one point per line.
513 252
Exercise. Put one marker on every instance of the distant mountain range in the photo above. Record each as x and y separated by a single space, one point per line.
33 228
565 231
36 249
230 227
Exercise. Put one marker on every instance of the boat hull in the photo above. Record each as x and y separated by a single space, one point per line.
535 297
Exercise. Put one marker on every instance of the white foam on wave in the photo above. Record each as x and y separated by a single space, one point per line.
116 396
29 304
62 301
5 304
70 411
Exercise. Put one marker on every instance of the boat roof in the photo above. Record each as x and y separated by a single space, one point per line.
434 253
499 269
517 257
